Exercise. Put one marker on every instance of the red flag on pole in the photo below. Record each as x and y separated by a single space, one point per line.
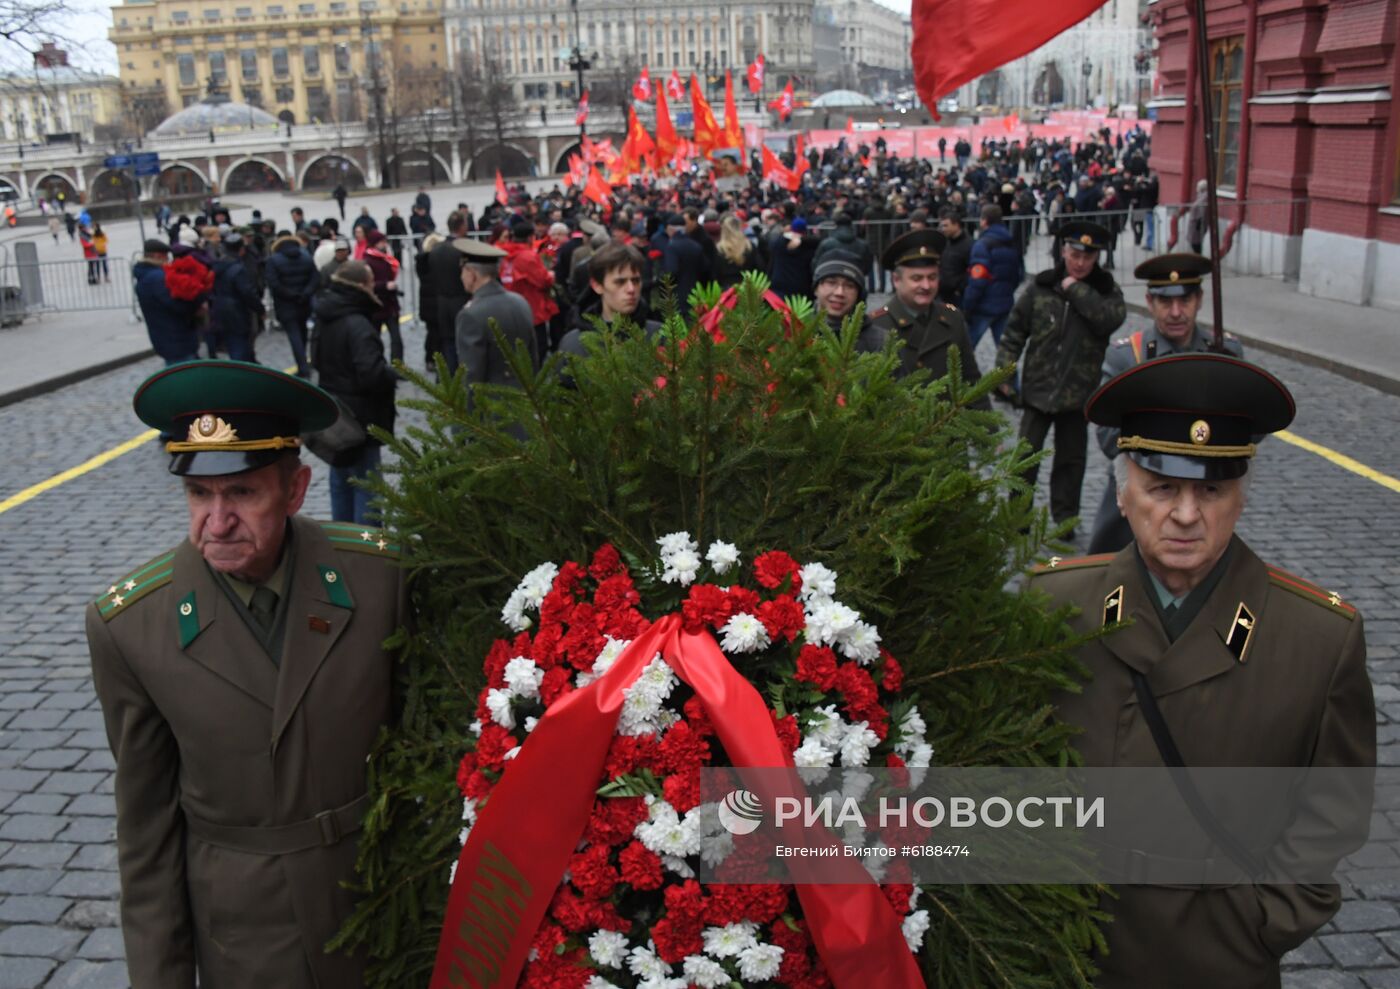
635 149
502 196
674 87
955 41
597 188
707 132
641 89
850 125
755 75
799 150
733 134
776 171
782 103
581 116
666 139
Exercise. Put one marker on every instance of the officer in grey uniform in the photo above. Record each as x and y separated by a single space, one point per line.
491 303
1174 297
924 325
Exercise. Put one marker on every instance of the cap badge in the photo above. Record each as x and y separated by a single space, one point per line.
923 251
1175 276
210 429
1086 239
1200 432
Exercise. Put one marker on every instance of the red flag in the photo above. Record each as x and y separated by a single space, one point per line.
635 149
850 125
733 134
581 116
955 41
577 170
755 75
597 188
782 103
666 139
1011 123
502 196
674 87
775 170
707 132
799 150
641 89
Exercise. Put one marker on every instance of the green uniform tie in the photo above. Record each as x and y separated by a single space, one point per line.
263 608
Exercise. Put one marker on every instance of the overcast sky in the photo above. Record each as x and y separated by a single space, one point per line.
89 29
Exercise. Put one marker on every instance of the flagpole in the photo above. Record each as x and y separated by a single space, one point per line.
1212 201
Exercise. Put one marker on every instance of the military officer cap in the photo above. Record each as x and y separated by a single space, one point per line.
916 248
591 228
1085 235
1170 275
1192 416
228 417
478 251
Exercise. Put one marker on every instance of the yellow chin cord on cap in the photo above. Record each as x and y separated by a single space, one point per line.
1185 449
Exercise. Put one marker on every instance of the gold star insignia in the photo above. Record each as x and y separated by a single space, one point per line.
1086 239
130 585
1200 432
112 589
382 543
117 600
366 535
1334 599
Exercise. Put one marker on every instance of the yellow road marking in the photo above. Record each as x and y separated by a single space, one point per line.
107 456
1341 460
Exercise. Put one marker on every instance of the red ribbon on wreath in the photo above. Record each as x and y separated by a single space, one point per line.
512 862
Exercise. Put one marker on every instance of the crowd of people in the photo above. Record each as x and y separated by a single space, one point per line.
210 286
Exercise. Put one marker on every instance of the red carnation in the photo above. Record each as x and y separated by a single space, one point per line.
742 599
682 790
478 786
817 665
698 717
774 567
788 732
862 701
898 894
732 903
555 685
686 901
783 618
616 593
545 650
492 746
497 657
187 280
592 873
606 562
614 819
705 606
892 676
674 939
465 769
630 752
639 866
683 749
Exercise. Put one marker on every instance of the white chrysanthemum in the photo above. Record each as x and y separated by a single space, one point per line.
722 556
513 614
818 582
812 754
704 972
877 863
920 756
731 940
828 621
663 982
825 725
676 542
644 963
531 723
853 834
856 746
915 927
475 727
606 657
498 703
642 713
667 833
861 642
608 948
469 809
523 677
677 866
681 567
598 982
716 848
910 733
743 633
761 962
528 595
854 786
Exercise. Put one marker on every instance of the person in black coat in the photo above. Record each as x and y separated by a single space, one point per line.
683 260
291 277
351 364
956 257
236 302
397 232
445 269
792 251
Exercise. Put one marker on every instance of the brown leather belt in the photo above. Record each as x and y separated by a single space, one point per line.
325 829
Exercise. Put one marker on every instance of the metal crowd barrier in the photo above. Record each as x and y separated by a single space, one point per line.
30 287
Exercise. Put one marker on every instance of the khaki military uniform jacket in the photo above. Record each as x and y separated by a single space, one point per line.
924 340
225 760
1289 690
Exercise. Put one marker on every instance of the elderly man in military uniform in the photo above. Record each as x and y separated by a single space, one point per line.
491 304
1212 658
1173 300
1063 321
243 681
924 326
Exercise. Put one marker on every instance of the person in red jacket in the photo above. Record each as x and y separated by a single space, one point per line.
523 273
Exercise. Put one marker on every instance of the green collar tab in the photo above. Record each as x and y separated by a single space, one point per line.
336 591
188 615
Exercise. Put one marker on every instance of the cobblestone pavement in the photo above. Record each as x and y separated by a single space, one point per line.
58 880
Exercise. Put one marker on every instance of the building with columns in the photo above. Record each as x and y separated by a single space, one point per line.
1307 148
530 42
301 60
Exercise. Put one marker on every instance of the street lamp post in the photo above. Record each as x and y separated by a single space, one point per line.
1088 71
580 65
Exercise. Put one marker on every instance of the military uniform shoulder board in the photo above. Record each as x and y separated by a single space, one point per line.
146 578
1310 592
882 311
1058 565
360 539
949 305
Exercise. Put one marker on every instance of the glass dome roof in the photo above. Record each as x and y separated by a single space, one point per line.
217 113
842 97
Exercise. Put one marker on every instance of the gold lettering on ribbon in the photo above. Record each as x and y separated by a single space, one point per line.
498 897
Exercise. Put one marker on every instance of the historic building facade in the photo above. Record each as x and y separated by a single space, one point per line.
1306 146
55 99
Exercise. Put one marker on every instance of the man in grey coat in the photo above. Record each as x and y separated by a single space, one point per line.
491 306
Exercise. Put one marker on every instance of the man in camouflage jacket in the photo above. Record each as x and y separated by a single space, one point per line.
1063 322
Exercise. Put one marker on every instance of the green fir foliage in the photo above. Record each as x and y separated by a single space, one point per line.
776 437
